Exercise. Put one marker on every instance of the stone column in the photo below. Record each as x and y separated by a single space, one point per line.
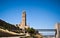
57 30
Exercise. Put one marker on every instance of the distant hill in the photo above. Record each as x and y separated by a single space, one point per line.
4 25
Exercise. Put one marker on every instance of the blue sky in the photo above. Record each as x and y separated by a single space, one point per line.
41 14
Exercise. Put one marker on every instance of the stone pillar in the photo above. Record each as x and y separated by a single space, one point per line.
57 30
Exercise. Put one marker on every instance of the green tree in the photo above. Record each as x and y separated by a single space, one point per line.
30 30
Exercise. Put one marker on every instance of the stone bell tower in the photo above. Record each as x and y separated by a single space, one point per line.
23 22
24 18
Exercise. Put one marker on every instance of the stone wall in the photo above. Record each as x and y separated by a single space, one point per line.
57 26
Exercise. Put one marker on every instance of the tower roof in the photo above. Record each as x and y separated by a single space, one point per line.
24 12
